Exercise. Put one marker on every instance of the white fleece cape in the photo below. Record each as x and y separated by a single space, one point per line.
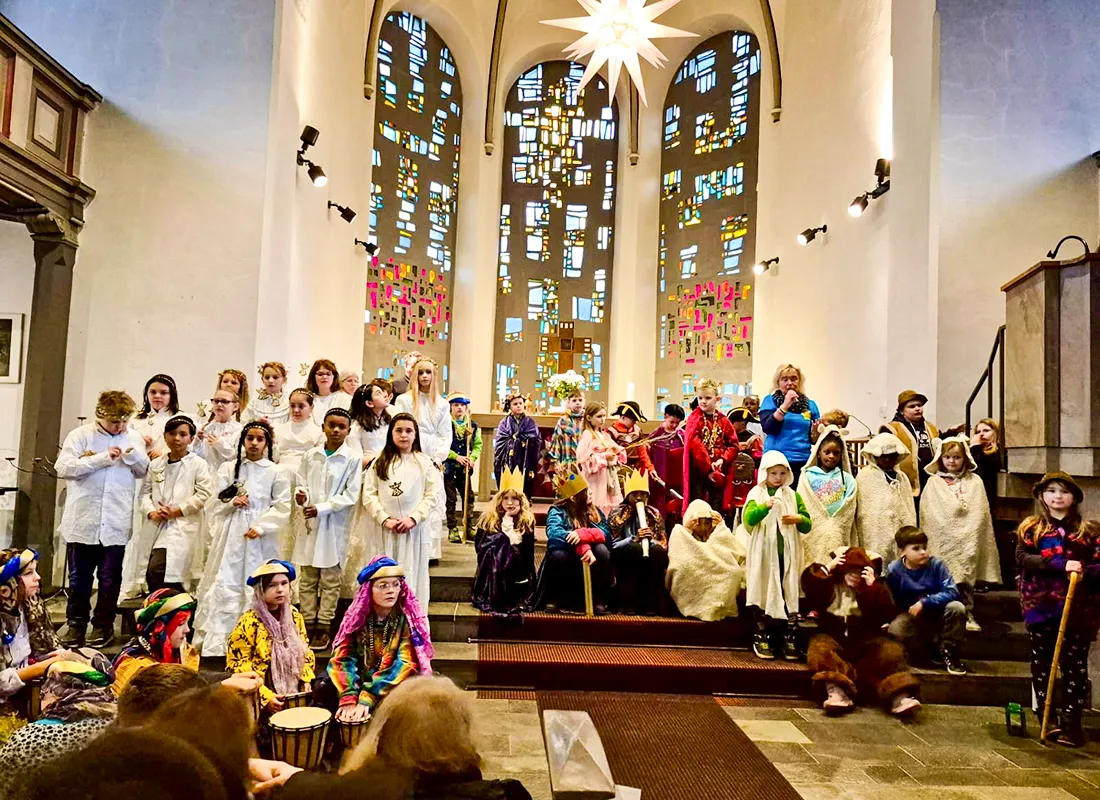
704 578
830 531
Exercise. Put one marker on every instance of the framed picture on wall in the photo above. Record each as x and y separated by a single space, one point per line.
11 348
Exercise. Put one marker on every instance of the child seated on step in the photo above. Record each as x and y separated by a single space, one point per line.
639 550
705 565
577 533
955 514
774 517
885 496
850 657
505 544
928 601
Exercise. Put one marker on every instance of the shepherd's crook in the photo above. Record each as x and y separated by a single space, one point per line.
1073 578
466 490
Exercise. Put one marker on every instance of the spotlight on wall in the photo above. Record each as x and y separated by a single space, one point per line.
763 266
347 213
858 206
882 186
370 247
810 234
309 138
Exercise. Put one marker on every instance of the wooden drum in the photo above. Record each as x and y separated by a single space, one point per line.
298 736
296 699
351 732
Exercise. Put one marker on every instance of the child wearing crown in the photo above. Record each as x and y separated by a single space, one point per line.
576 533
710 448
505 544
639 550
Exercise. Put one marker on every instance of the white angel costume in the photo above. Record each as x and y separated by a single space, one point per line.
275 408
433 418
218 443
292 441
331 483
223 593
152 426
704 578
885 501
323 403
186 484
830 499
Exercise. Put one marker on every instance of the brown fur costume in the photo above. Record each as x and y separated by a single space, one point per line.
851 650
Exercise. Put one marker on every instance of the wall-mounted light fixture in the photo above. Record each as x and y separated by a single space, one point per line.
309 138
810 234
370 247
882 186
347 213
763 266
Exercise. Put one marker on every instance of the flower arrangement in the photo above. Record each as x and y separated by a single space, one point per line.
562 384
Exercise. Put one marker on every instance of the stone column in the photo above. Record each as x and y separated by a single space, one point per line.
54 257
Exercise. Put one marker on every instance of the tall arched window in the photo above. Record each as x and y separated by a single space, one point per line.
708 219
414 196
556 215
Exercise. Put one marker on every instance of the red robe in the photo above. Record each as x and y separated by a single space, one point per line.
708 439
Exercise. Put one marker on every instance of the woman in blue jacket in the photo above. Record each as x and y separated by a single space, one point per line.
790 419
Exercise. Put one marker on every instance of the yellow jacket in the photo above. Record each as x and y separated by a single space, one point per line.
249 650
909 465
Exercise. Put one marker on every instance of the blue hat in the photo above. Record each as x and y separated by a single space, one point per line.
13 566
381 567
272 567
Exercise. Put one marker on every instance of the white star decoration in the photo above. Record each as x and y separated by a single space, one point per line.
616 33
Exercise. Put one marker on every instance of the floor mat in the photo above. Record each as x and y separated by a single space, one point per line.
675 746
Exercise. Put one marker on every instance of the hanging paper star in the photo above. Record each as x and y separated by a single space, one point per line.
616 33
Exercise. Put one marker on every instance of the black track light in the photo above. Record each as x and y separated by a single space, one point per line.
810 234
370 247
347 213
882 185
763 266
309 138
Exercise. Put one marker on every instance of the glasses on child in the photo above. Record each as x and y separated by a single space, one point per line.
387 586
219 402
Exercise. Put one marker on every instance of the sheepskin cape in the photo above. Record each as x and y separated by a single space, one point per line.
830 531
704 578
883 507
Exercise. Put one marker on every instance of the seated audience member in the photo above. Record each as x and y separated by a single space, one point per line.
639 573
270 638
505 544
163 624
383 640
705 565
151 688
576 534
850 656
925 593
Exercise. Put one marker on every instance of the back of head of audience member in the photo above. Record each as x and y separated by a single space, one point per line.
129 763
425 725
153 687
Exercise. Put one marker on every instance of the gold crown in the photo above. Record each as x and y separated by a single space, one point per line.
707 383
570 485
511 480
636 482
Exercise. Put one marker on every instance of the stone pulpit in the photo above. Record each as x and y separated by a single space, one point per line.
1052 368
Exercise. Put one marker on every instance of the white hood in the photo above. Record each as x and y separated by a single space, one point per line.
773 458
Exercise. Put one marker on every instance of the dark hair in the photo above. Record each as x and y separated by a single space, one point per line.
390 453
579 517
151 688
304 391
337 412
674 410
173 397
230 491
362 413
179 421
311 380
909 534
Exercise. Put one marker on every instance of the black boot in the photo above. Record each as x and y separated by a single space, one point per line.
1069 732
762 646
951 661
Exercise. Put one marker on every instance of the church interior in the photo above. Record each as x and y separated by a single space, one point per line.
642 202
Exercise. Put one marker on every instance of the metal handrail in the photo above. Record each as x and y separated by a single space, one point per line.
987 375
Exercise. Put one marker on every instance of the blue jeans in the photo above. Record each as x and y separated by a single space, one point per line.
85 562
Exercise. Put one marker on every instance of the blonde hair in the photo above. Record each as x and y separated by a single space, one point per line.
996 428
491 517
948 447
414 382
590 411
424 725
790 368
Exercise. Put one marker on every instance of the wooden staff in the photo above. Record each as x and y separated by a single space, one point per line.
1073 578
466 490
589 610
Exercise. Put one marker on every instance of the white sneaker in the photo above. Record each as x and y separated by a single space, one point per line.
972 625
836 700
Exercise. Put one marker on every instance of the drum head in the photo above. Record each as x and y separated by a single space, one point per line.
293 718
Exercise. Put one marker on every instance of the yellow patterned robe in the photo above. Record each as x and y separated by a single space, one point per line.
249 650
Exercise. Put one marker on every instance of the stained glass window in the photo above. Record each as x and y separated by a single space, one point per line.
556 241
414 196
708 219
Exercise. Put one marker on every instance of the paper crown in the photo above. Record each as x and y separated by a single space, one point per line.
636 482
511 480
569 485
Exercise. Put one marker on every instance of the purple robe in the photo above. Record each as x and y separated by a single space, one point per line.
518 444
669 468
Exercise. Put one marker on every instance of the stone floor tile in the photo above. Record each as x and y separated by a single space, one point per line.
755 712
986 735
886 733
837 770
493 744
976 715
1091 776
889 773
1020 793
820 791
1047 757
879 792
785 753
527 743
1049 778
766 730
510 766
955 756
868 753
956 776
1084 794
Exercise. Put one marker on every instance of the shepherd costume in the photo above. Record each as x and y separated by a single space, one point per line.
850 651
885 502
161 614
955 516
919 439
505 580
564 440
704 578
830 499
518 443
639 574
707 439
465 441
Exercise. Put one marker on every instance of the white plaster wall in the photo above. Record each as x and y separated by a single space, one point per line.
16 290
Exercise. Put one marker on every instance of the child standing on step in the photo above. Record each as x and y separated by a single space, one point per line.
562 455
599 458
827 486
459 467
270 403
216 441
1052 544
505 543
955 515
774 517
885 503
326 489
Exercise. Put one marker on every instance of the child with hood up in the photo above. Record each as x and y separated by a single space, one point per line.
955 515
829 489
705 561
774 516
885 495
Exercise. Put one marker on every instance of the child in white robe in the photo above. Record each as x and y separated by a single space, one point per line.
433 416
370 419
400 491
828 488
217 440
173 495
321 381
270 403
250 507
293 439
326 489
885 496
